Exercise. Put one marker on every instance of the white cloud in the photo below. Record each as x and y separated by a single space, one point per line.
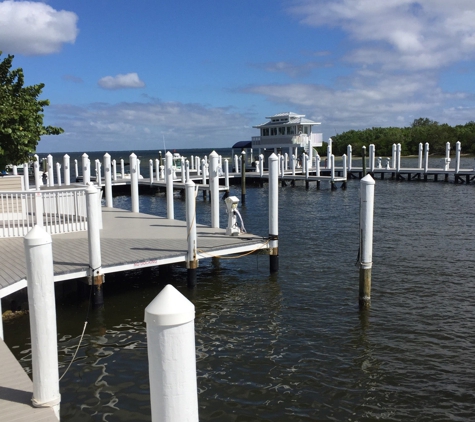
293 70
424 34
32 28
129 80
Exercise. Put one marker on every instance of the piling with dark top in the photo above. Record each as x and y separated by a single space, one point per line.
273 213
243 177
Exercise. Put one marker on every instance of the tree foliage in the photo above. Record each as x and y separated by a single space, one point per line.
421 130
21 115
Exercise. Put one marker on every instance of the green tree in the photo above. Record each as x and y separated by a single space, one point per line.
21 116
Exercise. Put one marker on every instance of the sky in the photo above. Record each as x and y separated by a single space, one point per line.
137 75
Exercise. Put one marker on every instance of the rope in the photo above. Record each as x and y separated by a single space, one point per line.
82 335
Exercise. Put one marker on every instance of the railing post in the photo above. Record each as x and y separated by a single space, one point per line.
214 188
108 180
86 169
169 185
50 170
42 306
94 242
66 170
273 213
134 182
191 260
172 357
366 239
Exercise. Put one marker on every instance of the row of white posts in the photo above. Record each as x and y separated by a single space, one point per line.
169 317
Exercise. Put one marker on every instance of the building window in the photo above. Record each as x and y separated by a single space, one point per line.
273 131
282 131
290 130
265 132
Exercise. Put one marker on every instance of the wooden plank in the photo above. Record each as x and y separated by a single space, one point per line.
16 391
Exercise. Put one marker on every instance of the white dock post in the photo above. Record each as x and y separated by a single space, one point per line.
243 177
261 165
419 156
366 239
76 170
371 158
139 175
426 158
169 185
114 170
447 156
317 168
236 163
226 174
274 213
86 170
150 170
58 173
44 344
66 170
122 168
458 149
26 177
187 170
134 182
398 158
93 205
349 153
108 180
286 160
172 357
182 170
294 162
50 170
345 170
192 163
214 189
99 173
329 153
15 170
197 165
162 172
191 260
332 170
157 169
36 169
393 156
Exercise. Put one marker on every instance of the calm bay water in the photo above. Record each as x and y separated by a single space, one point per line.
294 346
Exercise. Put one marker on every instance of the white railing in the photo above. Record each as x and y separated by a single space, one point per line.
59 211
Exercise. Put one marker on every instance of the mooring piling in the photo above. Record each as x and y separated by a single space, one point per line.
243 177
214 188
134 182
108 180
366 239
86 170
169 185
191 237
172 357
273 213
42 309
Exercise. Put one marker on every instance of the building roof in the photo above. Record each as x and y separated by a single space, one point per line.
290 119
243 144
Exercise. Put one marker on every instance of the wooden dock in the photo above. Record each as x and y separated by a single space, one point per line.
16 391
128 241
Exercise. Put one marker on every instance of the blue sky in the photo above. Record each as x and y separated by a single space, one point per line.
124 74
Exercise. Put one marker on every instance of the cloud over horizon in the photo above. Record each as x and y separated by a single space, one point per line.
33 28
129 80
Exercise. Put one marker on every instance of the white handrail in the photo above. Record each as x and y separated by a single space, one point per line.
58 211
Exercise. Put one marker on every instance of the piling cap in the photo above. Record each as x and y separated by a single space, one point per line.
37 236
170 307
368 180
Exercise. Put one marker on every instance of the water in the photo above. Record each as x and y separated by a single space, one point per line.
294 346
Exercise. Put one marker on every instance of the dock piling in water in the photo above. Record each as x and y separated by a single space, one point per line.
134 182
108 180
273 213
366 239
191 238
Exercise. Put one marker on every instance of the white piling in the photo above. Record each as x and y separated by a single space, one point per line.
419 156
332 168
58 173
214 188
286 160
162 172
398 158
236 163
99 173
458 149
86 170
108 180
42 306
447 156
114 170
169 184
317 165
191 260
26 177
172 357
157 169
150 170
371 154
66 170
192 163
226 174
294 162
426 157
197 165
349 153
134 182
329 153
261 165
15 170
274 213
50 170
393 156
76 170
122 168
36 169
344 166
187 171
182 171
366 238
